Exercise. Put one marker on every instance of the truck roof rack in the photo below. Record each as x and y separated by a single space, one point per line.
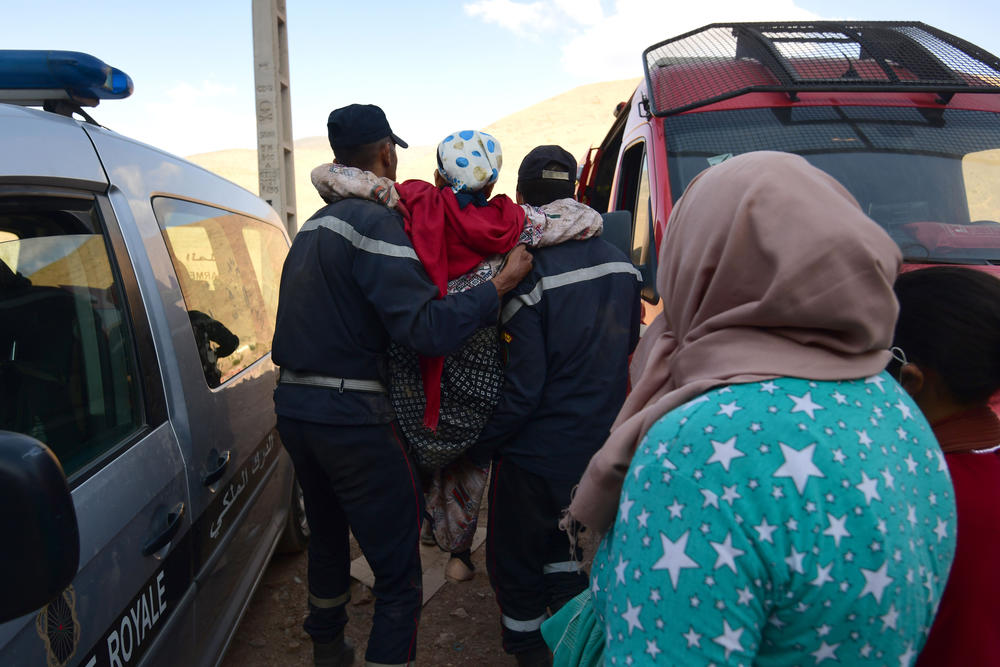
723 60
59 81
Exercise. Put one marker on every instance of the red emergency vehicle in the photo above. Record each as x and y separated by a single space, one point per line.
906 116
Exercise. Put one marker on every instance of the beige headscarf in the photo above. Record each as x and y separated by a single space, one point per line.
767 268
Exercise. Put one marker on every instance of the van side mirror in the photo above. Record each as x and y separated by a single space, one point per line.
38 525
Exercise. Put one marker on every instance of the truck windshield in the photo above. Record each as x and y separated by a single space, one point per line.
930 177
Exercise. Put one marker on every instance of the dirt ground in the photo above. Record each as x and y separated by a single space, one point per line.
460 625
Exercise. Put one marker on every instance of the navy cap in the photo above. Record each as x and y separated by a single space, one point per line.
357 125
533 166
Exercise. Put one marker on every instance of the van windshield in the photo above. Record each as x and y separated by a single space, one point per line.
930 177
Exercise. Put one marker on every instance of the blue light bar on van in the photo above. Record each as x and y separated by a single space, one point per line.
32 78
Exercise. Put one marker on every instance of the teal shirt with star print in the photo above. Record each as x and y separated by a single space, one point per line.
789 522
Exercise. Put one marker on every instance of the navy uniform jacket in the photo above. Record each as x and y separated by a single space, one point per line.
566 331
351 282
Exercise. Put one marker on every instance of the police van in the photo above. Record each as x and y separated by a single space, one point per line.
138 295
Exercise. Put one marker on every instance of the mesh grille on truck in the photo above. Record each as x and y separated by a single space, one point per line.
720 61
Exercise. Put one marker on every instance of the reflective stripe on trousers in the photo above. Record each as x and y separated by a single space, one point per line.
565 566
523 626
329 603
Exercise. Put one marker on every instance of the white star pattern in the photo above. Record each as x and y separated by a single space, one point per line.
676 509
889 618
825 652
876 582
631 617
876 380
822 575
794 561
908 656
620 570
625 507
765 531
904 409
836 529
866 509
727 553
674 558
725 452
805 404
869 487
728 409
941 530
798 465
729 639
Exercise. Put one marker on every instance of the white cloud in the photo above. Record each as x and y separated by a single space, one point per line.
585 12
185 118
603 47
519 17
612 48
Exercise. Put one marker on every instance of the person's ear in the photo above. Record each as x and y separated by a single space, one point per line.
385 155
439 180
911 377
518 197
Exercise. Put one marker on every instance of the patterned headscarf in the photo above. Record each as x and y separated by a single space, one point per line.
469 160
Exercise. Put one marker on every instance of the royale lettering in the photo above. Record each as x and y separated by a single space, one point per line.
136 624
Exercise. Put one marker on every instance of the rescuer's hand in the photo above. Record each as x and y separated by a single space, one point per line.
518 264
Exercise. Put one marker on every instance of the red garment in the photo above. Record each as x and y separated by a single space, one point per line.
451 241
966 630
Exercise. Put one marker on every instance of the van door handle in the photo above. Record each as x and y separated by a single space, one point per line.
161 540
221 462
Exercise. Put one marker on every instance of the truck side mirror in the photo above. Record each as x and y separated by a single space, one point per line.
38 525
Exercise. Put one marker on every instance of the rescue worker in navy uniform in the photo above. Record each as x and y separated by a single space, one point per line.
566 334
351 282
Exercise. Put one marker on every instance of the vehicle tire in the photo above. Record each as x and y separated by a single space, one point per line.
295 537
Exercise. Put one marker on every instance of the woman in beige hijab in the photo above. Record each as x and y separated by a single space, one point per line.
768 495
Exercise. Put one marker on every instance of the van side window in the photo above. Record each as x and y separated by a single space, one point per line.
633 196
229 267
67 361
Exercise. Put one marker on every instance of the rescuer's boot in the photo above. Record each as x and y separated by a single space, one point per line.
338 653
536 657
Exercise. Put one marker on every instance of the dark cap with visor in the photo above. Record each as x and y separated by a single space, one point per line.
357 125
537 165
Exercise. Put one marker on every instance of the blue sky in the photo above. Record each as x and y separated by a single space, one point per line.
433 66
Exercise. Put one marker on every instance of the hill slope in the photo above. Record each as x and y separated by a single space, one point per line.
576 120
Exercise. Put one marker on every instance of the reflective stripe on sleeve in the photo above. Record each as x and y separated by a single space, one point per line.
563 279
329 603
523 626
565 566
358 240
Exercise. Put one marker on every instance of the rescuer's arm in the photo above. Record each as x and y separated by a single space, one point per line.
406 300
